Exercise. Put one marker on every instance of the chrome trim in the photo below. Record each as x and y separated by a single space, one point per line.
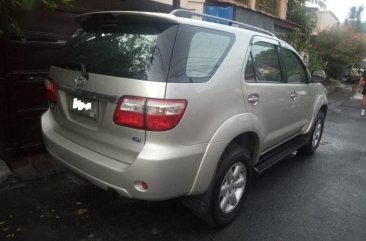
88 94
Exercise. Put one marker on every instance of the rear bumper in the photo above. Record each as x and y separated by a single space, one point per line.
168 169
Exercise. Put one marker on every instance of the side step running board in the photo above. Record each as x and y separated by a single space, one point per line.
272 157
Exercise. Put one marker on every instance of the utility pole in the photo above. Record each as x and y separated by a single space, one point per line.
176 4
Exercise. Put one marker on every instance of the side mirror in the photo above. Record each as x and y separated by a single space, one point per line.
318 76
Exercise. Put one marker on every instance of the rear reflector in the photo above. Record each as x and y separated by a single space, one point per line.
141 186
149 114
51 91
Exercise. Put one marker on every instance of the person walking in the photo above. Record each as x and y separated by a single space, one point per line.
363 85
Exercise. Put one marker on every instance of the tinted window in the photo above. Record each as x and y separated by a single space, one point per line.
294 68
266 62
249 70
198 53
132 51
205 52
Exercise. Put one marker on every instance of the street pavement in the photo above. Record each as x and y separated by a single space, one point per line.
322 197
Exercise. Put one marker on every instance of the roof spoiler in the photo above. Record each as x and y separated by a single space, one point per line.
124 17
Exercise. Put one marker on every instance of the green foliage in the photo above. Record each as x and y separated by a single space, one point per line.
299 14
343 45
299 40
9 8
363 27
335 70
53 4
315 62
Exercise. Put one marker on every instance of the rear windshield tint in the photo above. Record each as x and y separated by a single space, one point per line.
198 53
137 51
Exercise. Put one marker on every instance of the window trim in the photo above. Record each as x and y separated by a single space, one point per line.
249 56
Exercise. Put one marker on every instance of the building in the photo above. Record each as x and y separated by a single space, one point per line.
326 20
267 14
276 8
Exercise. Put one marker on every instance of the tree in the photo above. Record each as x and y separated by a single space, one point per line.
354 17
355 13
343 45
299 14
9 8
321 3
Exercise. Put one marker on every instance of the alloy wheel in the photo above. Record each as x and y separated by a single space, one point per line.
317 133
232 187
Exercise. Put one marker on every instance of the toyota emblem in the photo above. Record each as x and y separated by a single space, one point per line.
79 80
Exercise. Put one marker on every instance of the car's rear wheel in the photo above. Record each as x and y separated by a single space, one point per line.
230 185
221 204
314 136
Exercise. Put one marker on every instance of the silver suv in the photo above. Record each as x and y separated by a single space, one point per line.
158 106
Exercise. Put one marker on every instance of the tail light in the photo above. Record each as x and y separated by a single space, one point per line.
130 112
149 114
164 114
51 91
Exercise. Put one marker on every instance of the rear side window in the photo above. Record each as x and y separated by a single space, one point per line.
198 53
249 69
263 64
295 70
137 51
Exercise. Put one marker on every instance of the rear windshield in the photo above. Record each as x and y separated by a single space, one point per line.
137 51
145 51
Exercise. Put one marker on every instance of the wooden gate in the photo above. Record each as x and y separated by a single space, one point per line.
24 67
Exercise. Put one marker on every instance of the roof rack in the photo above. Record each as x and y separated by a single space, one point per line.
189 14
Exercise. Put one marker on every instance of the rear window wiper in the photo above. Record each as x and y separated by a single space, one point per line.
77 66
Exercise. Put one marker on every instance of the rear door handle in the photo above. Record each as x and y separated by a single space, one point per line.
253 99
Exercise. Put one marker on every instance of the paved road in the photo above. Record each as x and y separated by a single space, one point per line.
303 198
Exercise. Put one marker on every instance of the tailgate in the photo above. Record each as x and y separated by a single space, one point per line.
92 126
101 63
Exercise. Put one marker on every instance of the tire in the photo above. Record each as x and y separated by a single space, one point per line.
314 136
228 189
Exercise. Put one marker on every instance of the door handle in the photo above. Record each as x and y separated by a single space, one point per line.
293 95
253 99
